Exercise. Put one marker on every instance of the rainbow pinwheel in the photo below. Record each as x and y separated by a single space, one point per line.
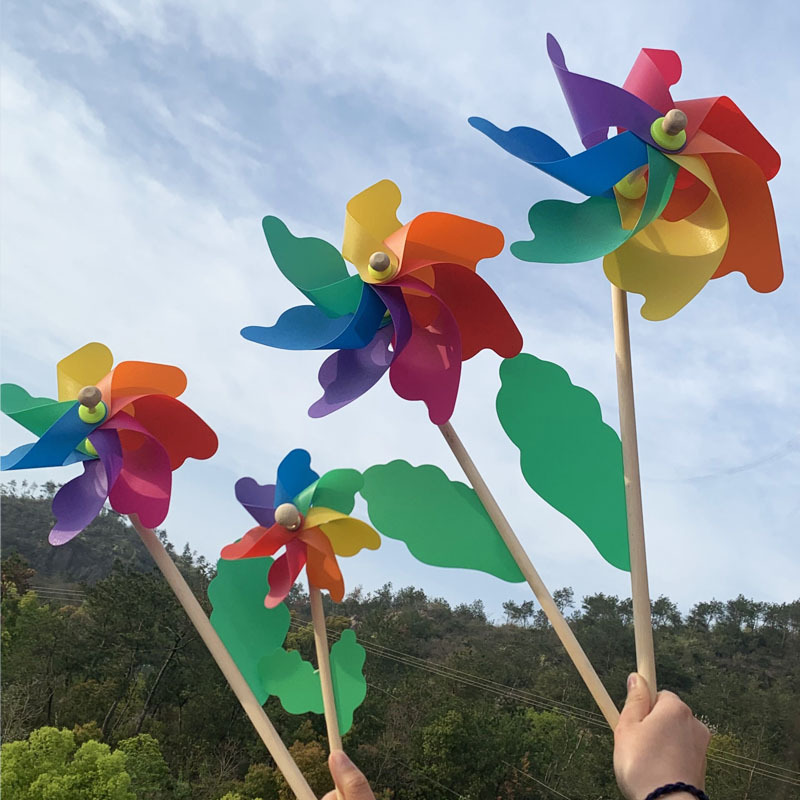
126 426
308 515
677 197
416 308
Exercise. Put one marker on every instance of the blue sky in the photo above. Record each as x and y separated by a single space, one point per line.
142 142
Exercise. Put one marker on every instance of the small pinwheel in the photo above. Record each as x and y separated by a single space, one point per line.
309 516
677 197
126 426
416 308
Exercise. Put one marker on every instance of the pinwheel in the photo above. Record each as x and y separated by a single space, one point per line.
126 426
308 515
416 308
129 430
677 197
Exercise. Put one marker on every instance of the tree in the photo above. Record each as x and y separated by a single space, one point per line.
47 766
149 772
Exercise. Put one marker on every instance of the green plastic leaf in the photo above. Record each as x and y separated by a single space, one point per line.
442 522
286 675
248 629
254 636
567 233
315 267
336 489
347 672
36 414
568 455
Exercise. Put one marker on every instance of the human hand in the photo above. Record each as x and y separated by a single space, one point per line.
350 782
654 747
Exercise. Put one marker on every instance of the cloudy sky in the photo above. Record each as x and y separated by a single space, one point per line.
143 141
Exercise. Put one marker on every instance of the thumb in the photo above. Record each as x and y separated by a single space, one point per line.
349 779
637 703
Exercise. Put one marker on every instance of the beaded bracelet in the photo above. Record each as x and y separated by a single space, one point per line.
670 788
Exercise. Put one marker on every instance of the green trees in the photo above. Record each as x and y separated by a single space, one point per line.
50 766
112 687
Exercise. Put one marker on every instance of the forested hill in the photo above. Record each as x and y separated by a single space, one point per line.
457 706
27 519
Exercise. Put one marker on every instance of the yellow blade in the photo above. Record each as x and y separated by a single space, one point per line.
348 536
320 515
85 367
670 262
371 216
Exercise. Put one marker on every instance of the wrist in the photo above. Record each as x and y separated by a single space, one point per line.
679 794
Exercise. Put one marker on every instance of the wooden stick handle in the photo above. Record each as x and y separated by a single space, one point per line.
560 625
264 728
324 664
642 623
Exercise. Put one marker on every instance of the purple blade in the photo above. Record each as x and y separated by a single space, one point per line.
80 500
347 374
257 499
597 106
393 299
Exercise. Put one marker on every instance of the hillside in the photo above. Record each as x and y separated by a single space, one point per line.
26 521
457 706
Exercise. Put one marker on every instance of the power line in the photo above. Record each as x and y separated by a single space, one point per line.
722 757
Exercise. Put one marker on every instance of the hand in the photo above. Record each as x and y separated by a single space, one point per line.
654 747
350 782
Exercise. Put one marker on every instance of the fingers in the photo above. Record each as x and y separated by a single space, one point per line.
350 781
637 703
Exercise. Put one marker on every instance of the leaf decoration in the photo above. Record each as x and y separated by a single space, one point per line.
568 455
254 636
249 631
442 522
286 675
349 683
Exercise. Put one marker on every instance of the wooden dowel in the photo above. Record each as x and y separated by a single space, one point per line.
640 591
249 702
560 625
324 664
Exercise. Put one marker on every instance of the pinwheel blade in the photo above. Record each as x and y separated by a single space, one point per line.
57 445
436 237
349 536
315 267
35 414
670 262
347 374
257 499
85 367
309 328
294 475
592 172
371 216
597 106
181 432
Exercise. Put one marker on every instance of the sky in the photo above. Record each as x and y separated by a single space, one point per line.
142 142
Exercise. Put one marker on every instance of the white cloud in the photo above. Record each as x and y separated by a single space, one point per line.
134 219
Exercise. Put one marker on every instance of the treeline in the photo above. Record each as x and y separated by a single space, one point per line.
457 706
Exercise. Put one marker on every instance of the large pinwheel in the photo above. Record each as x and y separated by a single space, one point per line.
126 426
677 197
416 308
308 515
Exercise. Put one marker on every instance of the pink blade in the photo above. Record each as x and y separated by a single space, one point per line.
283 573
